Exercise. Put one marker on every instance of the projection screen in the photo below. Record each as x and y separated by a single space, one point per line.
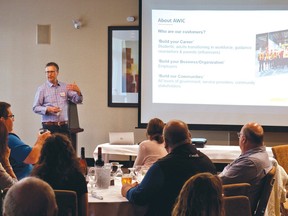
214 64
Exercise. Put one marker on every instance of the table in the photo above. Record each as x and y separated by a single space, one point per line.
113 204
108 149
217 153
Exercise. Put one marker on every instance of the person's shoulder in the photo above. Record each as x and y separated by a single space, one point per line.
62 83
15 141
77 176
258 157
13 136
245 161
145 143
63 86
43 85
164 159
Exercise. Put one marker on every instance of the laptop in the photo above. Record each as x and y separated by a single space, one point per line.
121 138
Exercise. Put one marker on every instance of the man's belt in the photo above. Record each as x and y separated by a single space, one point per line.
55 123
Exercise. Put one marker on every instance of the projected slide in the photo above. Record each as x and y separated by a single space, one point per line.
195 60
215 64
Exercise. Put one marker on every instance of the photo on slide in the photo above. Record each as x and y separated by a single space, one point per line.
272 53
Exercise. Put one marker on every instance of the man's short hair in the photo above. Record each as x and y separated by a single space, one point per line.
176 133
30 196
255 136
4 109
52 64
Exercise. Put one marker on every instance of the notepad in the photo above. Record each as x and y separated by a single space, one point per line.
121 138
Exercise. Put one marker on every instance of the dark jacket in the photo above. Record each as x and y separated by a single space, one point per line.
175 168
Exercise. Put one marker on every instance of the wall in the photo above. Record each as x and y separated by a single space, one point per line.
82 57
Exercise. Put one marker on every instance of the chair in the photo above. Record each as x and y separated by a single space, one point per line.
269 180
284 209
67 202
237 206
236 189
2 196
281 155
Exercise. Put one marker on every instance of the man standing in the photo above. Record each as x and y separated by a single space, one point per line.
22 156
165 178
252 165
51 100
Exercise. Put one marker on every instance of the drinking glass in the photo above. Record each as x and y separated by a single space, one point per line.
91 177
132 172
141 173
126 179
137 169
119 171
114 168
108 165
137 172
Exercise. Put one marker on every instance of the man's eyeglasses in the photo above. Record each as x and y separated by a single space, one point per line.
239 135
11 116
47 72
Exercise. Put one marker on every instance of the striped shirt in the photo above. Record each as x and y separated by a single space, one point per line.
56 96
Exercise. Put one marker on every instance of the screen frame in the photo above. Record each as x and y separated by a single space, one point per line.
210 127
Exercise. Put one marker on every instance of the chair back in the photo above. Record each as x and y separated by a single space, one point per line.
2 196
237 206
236 189
280 153
67 202
269 180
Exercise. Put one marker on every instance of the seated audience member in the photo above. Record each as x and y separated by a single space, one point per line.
252 165
59 166
165 178
7 175
22 156
201 195
152 149
30 197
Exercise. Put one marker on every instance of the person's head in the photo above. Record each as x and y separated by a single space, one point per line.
251 136
6 115
30 197
176 133
201 195
3 138
155 130
57 156
52 71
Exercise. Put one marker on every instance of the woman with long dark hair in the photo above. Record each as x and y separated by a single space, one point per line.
59 166
7 175
201 195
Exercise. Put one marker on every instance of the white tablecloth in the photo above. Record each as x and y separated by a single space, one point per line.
217 153
113 204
